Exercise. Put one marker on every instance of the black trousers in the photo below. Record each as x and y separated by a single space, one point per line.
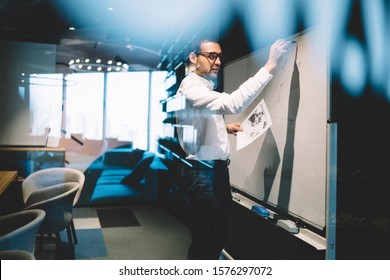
208 189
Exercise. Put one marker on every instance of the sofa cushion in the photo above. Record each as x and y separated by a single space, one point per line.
127 159
139 172
133 158
115 172
116 193
107 180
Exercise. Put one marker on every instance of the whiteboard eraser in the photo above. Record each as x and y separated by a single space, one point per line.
288 225
262 211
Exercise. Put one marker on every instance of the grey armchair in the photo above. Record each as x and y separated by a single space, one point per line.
16 255
53 176
18 231
57 202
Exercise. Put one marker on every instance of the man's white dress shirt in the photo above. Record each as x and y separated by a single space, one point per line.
201 126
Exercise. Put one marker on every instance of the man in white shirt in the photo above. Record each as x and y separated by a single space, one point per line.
203 136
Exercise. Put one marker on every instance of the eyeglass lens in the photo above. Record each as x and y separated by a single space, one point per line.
212 55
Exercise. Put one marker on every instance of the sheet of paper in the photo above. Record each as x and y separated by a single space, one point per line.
257 122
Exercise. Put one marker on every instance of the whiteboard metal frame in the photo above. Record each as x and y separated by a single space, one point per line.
331 193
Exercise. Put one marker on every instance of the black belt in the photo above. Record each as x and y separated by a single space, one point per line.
206 164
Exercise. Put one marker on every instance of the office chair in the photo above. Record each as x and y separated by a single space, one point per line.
18 231
53 176
16 255
57 202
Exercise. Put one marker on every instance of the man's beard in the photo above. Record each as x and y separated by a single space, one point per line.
214 79
213 76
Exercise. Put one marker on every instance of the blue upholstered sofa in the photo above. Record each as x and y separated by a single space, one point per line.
124 176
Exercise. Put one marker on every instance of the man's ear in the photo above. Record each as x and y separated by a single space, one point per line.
193 58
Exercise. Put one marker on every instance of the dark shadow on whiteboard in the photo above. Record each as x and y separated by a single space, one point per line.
272 166
288 154
266 164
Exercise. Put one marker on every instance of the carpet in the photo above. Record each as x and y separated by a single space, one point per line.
91 245
116 217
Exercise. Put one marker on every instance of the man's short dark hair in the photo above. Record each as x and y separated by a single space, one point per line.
202 41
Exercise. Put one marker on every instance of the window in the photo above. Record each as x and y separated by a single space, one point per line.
45 104
84 105
122 106
156 117
127 107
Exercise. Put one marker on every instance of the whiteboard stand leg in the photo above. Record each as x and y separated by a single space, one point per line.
331 193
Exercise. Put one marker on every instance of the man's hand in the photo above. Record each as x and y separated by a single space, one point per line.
233 128
278 49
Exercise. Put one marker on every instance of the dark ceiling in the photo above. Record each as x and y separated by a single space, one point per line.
148 35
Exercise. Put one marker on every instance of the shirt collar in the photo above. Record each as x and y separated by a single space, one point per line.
208 83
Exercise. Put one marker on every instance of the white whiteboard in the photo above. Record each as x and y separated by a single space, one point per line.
286 167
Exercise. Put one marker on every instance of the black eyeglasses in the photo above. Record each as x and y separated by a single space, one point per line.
211 55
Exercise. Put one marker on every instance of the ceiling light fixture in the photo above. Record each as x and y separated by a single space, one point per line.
98 65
